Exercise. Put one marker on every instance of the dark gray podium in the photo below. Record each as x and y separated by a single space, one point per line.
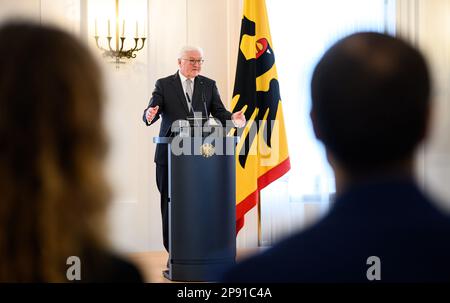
202 207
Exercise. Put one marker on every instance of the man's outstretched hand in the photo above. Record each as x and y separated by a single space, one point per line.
238 119
151 112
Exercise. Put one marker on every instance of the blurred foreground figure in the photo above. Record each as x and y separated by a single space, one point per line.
52 144
370 108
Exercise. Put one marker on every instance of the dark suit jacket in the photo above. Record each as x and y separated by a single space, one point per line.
169 96
392 220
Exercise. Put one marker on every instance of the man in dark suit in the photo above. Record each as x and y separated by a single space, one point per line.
370 108
176 97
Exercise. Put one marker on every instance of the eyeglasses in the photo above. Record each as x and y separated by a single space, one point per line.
193 61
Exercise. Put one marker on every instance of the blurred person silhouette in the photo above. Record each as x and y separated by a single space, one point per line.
52 145
371 110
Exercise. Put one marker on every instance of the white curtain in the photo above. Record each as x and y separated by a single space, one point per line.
301 32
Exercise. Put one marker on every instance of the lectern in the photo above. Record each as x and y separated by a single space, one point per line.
202 206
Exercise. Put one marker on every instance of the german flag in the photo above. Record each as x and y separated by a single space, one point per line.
262 153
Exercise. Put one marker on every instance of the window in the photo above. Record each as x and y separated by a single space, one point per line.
301 32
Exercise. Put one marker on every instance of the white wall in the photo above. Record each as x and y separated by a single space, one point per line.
20 9
434 39
426 23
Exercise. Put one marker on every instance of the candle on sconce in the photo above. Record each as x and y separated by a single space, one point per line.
123 29
96 29
109 28
137 30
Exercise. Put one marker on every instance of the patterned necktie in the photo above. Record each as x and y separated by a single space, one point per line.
189 92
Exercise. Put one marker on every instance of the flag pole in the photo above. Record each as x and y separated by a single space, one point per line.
259 220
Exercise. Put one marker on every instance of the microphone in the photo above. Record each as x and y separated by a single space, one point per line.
204 105
189 102
204 102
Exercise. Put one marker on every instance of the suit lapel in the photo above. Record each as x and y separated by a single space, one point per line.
180 92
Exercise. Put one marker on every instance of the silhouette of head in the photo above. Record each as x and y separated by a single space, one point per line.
370 101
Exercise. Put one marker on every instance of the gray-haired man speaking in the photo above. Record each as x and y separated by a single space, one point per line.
175 98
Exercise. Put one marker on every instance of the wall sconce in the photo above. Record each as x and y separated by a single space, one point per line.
119 52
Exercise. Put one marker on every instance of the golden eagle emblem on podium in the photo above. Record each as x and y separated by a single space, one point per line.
207 150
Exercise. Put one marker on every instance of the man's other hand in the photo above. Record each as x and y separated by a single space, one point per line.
238 119
151 112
